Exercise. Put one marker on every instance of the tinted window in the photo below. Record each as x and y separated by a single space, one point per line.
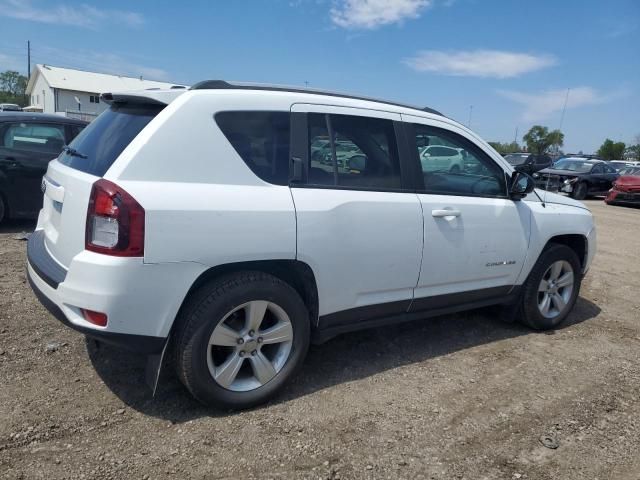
453 165
104 139
262 140
609 169
361 152
33 137
598 169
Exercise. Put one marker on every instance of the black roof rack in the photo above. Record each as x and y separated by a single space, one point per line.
222 84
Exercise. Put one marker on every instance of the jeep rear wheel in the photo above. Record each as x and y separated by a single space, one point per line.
241 338
552 288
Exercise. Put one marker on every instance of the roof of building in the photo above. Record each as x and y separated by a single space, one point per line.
82 81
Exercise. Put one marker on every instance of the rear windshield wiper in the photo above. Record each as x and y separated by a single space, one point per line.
73 152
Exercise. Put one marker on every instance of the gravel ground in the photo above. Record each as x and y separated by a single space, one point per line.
461 396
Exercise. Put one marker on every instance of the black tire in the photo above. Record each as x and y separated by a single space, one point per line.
580 191
530 314
205 310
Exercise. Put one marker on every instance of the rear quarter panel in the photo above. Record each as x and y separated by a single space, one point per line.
202 202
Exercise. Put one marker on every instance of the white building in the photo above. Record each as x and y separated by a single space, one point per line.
61 90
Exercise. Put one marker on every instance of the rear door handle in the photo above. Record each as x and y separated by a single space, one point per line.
445 213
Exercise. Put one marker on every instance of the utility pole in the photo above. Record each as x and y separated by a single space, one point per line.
564 108
515 139
28 59
470 111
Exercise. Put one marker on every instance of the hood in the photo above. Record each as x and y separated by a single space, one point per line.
554 171
550 197
629 180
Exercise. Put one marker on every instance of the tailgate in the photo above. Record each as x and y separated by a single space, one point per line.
69 179
64 210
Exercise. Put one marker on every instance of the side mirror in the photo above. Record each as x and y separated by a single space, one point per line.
357 162
521 185
534 163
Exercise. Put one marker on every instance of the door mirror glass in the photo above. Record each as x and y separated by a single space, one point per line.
521 185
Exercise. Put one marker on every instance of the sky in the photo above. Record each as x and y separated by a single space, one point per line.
498 66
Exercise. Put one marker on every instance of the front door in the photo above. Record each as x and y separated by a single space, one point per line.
358 228
475 236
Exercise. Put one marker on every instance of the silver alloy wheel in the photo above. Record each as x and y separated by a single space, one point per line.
555 289
259 332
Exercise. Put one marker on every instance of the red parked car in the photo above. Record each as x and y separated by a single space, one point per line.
626 188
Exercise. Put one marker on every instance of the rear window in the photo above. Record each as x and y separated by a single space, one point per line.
262 140
104 139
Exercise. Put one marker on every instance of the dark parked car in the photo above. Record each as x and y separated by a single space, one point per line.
579 177
28 142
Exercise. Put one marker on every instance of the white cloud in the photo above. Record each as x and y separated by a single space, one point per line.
541 105
479 63
369 14
85 16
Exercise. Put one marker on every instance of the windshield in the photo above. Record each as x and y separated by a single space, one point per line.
579 166
630 171
96 148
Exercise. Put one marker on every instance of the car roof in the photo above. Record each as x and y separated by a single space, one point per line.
43 117
224 85
582 159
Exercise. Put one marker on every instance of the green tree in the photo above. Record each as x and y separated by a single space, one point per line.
504 148
539 139
13 87
611 150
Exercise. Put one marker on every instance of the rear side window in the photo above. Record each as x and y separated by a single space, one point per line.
262 140
33 137
104 139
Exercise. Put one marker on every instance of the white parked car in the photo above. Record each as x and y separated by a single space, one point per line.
195 221
435 158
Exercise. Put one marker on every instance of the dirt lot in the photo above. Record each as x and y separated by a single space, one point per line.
461 396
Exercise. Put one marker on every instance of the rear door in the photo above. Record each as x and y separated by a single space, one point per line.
475 236
69 179
358 227
26 147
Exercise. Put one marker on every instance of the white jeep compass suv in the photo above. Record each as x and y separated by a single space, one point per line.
198 222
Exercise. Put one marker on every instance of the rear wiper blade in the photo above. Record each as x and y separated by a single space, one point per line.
73 152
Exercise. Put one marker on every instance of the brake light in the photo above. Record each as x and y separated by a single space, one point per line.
115 222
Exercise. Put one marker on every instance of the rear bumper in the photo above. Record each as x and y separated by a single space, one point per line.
140 300
136 343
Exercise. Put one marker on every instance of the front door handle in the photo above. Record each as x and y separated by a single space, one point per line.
445 213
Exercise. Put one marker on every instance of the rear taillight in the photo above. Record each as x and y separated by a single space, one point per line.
115 222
